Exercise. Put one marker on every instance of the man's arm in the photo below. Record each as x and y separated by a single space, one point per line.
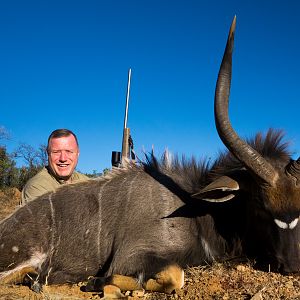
38 185
32 191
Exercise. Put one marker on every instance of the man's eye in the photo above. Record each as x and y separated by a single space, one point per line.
66 152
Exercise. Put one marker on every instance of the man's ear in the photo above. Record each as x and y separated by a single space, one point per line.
220 190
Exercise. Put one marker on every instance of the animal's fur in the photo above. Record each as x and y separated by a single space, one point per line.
133 222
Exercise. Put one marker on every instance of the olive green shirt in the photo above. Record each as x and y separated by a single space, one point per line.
44 182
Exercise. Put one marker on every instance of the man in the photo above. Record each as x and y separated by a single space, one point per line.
63 153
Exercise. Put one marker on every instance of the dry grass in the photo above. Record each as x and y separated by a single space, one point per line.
9 200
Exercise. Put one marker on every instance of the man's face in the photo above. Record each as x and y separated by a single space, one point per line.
63 156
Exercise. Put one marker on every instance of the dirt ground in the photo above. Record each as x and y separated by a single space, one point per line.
220 281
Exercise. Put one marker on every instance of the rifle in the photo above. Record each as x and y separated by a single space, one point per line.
126 131
117 159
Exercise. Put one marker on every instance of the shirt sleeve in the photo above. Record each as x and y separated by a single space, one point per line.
32 190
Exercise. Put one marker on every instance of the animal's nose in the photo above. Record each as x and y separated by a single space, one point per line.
290 268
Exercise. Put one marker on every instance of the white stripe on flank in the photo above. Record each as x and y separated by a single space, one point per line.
52 229
100 194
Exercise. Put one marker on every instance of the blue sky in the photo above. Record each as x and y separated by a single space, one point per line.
64 64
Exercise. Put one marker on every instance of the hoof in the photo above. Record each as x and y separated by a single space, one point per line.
36 287
166 281
95 284
112 292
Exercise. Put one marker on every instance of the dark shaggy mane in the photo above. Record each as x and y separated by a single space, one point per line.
271 146
191 175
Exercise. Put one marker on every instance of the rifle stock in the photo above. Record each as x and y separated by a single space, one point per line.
125 144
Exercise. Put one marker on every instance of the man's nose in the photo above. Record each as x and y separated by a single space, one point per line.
63 156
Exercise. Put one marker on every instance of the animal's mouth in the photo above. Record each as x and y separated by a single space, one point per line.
288 267
267 264
284 270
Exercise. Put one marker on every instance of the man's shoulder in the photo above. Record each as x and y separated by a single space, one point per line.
43 181
41 177
38 185
79 176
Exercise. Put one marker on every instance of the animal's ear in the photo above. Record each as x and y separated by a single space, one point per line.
220 190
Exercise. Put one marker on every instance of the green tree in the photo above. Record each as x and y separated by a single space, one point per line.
7 169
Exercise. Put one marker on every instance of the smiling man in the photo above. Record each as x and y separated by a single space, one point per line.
63 153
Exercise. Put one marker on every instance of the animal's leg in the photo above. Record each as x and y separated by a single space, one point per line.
112 292
17 275
56 276
125 283
166 281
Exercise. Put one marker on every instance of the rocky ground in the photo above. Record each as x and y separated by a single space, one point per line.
221 281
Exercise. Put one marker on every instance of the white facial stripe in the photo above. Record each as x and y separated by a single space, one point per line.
281 224
294 223
284 225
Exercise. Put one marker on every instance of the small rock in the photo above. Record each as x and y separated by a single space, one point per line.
257 296
296 284
241 268
290 284
226 297
138 293
112 292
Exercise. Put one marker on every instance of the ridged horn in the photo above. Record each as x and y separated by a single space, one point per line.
293 168
243 152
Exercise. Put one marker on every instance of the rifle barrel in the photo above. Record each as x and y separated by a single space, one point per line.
127 99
